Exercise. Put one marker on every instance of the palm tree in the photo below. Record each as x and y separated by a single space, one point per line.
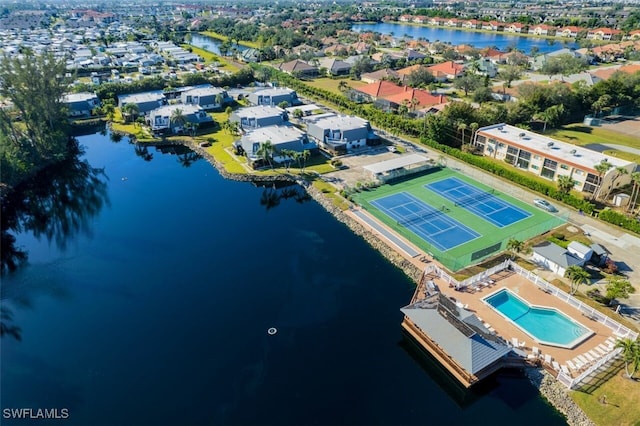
577 276
619 172
630 354
177 119
602 168
473 127
130 111
635 178
414 103
565 184
516 246
461 128
304 155
265 152
288 155
343 86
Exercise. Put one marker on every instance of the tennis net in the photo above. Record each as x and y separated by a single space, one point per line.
422 217
474 199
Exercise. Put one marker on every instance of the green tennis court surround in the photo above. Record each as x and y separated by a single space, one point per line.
440 219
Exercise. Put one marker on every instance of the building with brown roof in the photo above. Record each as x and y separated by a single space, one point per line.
446 71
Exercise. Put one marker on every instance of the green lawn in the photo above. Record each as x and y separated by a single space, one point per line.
622 396
223 38
212 57
331 84
491 235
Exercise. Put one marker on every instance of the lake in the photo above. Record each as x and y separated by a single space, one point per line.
477 39
211 44
151 283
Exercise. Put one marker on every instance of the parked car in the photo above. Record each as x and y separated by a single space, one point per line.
545 205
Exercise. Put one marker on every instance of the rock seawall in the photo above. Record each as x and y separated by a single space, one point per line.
556 394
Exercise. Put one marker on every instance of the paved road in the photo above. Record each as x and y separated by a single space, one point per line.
601 147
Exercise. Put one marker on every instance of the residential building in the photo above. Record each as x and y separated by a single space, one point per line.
570 31
258 116
81 104
603 34
299 68
335 67
550 158
383 74
160 119
379 89
446 70
414 99
208 98
281 138
542 29
145 101
274 96
340 133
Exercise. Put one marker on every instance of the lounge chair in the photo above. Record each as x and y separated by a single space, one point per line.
594 354
565 370
572 366
548 359
605 348
579 364
536 351
600 350
583 359
555 365
514 342
589 357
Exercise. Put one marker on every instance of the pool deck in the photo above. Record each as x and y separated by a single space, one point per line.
534 296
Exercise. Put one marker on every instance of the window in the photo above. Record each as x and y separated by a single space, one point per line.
549 168
534 167
536 157
578 172
564 167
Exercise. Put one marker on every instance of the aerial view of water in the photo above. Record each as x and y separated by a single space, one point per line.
455 37
150 285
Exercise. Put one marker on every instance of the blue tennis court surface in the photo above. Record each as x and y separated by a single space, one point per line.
430 224
481 203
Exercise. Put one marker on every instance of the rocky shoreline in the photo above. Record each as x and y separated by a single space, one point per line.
556 394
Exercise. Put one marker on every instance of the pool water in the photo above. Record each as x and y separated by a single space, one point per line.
546 325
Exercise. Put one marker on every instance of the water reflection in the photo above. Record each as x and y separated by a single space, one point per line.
56 204
273 193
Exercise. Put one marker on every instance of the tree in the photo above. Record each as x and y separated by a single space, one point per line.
420 77
343 86
565 184
130 112
577 276
468 82
510 73
630 354
473 127
288 156
516 246
302 158
564 64
177 119
635 178
618 173
602 168
265 152
461 128
618 288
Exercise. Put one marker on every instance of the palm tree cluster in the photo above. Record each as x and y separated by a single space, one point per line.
630 355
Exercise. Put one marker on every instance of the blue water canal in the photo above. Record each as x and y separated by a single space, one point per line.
150 303
456 36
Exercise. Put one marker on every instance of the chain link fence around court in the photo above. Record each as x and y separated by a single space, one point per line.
491 246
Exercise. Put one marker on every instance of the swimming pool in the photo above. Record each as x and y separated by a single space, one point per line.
546 325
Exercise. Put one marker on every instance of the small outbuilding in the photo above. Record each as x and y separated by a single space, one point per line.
389 170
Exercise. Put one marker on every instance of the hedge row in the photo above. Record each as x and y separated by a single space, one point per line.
620 219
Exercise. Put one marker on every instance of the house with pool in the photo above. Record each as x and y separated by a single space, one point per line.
507 316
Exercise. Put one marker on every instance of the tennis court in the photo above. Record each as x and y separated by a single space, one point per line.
481 203
429 223
455 234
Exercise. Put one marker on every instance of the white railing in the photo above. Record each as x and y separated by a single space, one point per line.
575 382
484 275
618 329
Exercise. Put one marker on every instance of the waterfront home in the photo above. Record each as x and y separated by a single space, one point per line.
284 137
555 258
258 116
633 35
472 24
161 119
542 30
340 133
569 32
209 98
81 104
539 61
603 34
550 158
515 27
455 337
484 66
274 96
145 101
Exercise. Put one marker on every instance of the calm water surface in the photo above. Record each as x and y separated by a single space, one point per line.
455 37
157 311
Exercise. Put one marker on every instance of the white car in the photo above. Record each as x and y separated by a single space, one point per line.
545 205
